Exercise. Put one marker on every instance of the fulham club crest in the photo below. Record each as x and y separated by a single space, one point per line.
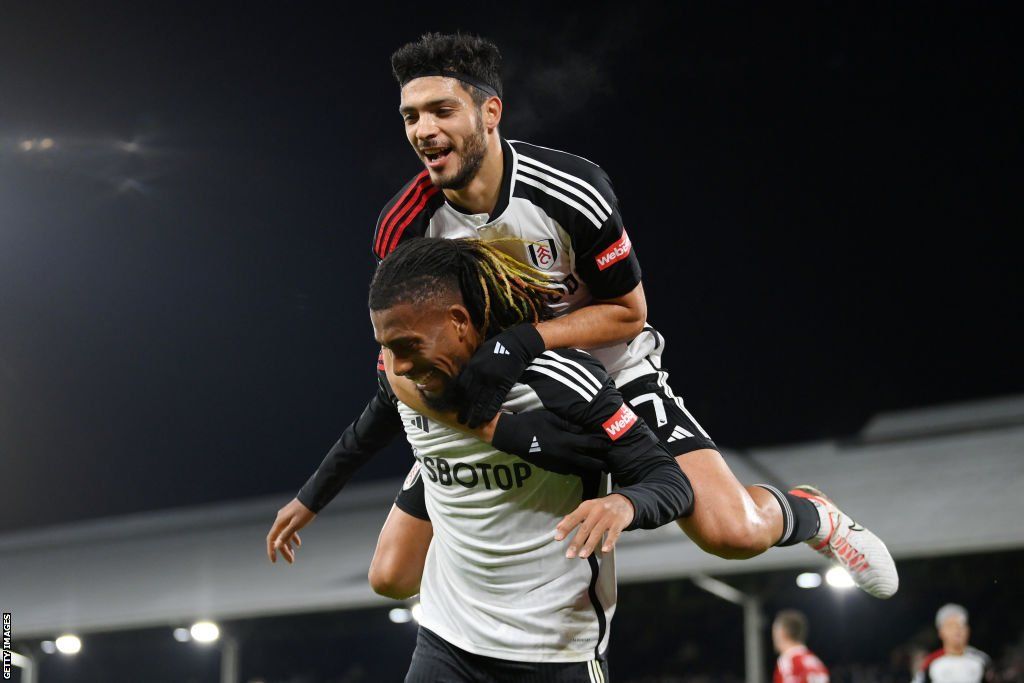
543 253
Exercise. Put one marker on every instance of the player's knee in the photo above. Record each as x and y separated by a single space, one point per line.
739 549
387 579
731 539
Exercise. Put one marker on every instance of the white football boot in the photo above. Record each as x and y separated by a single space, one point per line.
853 547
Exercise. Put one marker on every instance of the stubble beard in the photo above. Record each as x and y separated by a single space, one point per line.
471 159
448 401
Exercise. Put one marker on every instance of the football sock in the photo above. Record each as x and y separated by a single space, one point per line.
800 519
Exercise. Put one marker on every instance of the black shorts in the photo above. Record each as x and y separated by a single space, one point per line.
652 399
437 661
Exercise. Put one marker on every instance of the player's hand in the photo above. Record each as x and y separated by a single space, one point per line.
543 439
494 368
285 531
596 518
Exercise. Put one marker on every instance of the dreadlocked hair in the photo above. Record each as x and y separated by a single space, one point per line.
498 291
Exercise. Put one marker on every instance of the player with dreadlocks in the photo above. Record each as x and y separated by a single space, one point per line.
501 600
521 293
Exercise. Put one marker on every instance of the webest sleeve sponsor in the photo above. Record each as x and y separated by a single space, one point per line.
620 423
616 252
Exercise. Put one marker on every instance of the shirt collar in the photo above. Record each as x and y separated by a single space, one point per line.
507 180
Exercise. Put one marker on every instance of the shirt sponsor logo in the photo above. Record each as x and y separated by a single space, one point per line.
504 477
620 423
543 253
618 251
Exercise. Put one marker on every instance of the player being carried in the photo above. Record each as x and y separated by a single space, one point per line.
478 184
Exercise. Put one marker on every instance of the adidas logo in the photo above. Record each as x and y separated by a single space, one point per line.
535 446
679 433
500 349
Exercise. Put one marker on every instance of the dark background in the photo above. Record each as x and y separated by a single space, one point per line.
823 197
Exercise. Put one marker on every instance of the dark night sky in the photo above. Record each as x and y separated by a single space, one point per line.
822 198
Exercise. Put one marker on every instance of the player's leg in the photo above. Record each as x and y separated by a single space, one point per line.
728 519
592 671
397 565
736 521
435 661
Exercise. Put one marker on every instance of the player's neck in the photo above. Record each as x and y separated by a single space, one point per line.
482 192
790 648
956 651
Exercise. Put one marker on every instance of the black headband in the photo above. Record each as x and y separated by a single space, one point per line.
458 75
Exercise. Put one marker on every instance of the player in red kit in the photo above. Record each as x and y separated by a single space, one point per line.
796 664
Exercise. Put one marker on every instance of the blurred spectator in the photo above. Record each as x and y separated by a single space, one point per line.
796 664
955 661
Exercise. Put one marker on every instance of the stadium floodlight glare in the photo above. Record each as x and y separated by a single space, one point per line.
46 143
809 580
416 611
204 632
182 635
27 145
48 646
68 644
837 577
400 615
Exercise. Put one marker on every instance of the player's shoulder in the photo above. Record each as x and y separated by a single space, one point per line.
573 357
930 658
539 156
978 654
383 383
534 160
567 370
558 177
810 662
406 214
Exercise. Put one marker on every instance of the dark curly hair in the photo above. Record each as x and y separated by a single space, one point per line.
497 290
472 55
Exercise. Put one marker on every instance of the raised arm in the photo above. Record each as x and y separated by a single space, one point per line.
374 429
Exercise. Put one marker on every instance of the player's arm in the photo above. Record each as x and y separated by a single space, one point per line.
602 323
374 429
606 262
923 675
569 449
989 673
397 566
653 490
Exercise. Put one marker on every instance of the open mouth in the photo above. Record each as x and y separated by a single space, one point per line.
428 382
436 156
